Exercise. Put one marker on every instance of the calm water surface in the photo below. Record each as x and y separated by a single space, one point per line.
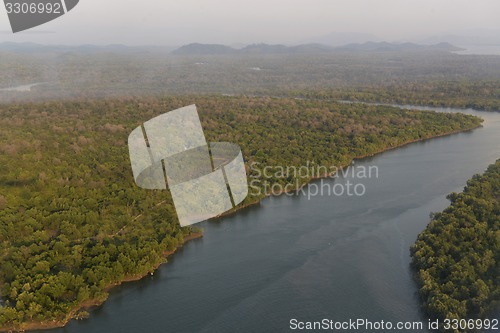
329 257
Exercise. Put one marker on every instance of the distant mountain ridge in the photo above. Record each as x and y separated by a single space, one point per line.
214 49
200 49
217 49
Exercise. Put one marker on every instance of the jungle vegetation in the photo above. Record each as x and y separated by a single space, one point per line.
457 257
72 221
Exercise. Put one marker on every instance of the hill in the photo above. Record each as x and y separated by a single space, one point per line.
203 49
262 48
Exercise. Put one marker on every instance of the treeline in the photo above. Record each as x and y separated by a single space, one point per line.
72 221
480 95
457 258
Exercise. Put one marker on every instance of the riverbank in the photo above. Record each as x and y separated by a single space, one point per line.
444 237
258 201
92 303
79 312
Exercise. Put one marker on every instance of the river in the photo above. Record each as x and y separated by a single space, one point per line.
293 257
23 88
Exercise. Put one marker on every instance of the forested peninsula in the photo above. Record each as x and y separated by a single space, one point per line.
72 221
457 257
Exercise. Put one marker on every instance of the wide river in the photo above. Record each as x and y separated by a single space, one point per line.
290 257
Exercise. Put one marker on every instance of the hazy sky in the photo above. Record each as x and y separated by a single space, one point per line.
175 22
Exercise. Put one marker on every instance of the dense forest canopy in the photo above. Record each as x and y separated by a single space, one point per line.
457 257
72 221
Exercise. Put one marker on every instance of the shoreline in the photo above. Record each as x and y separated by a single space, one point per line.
312 179
92 303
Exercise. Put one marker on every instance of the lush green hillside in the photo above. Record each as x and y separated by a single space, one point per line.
457 257
72 221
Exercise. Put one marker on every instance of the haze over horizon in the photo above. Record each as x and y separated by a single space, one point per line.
156 22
